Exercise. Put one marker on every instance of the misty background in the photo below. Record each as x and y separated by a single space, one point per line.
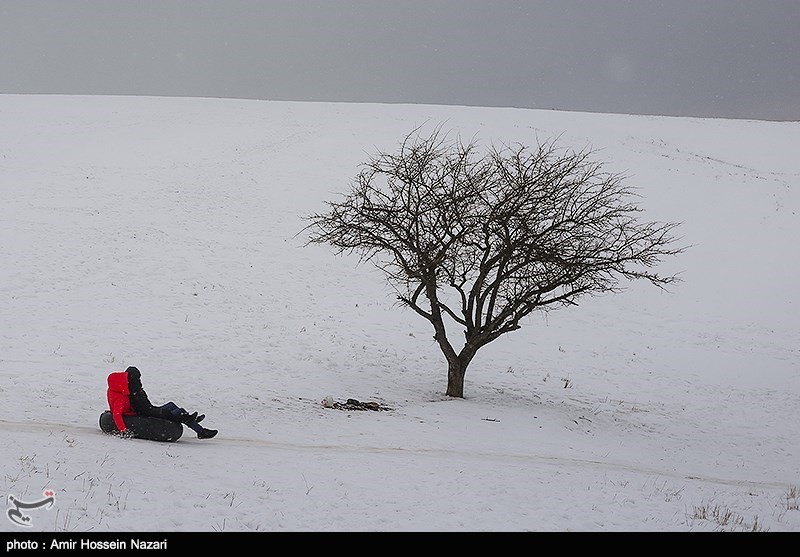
707 58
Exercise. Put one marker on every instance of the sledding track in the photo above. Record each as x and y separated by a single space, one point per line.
251 443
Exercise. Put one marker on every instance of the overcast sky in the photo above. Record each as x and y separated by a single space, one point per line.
713 58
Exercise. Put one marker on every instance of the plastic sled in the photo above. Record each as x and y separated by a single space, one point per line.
144 427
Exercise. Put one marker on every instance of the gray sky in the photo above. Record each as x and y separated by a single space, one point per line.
711 58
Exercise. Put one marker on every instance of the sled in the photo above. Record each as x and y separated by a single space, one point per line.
144 427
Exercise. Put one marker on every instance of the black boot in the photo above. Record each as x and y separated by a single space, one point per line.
200 418
206 433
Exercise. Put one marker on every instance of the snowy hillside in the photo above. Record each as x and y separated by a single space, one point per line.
163 233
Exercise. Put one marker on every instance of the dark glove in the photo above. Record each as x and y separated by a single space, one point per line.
187 418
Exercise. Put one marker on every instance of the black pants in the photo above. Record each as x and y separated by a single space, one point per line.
172 412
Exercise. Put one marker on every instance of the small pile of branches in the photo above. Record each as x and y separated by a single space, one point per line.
353 404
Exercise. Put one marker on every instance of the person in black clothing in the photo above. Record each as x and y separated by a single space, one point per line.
170 411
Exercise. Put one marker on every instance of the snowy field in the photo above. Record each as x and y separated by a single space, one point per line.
163 233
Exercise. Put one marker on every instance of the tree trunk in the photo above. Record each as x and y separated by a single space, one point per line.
455 378
456 369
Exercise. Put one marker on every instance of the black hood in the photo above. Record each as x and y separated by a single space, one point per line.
134 380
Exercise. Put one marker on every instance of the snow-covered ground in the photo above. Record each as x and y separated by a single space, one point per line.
164 233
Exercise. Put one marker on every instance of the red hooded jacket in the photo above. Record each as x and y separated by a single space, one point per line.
119 401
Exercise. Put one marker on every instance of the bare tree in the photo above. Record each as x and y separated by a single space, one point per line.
478 241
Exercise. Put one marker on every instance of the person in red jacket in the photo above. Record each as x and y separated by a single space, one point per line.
126 397
119 400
